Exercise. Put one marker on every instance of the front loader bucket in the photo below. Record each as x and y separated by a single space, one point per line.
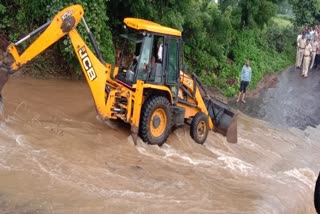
224 120
4 76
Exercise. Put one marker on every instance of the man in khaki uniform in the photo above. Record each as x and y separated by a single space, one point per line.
301 46
315 46
306 58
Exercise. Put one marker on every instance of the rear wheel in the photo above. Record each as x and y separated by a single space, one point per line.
155 120
199 128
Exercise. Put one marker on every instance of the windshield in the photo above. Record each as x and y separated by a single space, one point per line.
133 37
135 54
131 49
141 58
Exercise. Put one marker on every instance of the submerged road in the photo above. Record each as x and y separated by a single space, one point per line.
293 102
57 157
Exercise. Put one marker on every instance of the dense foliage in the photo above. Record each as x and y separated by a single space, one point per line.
306 12
218 37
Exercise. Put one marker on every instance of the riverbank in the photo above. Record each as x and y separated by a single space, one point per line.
287 100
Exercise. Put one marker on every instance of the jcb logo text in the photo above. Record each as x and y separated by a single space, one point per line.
87 64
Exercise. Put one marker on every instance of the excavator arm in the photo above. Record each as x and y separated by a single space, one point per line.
65 23
59 26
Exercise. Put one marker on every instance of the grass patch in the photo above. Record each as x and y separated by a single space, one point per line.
281 21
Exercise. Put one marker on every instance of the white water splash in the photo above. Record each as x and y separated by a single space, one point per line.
304 175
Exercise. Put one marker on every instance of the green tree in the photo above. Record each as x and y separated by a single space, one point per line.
217 37
306 12
249 13
285 8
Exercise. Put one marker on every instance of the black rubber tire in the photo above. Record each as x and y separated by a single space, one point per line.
317 195
152 104
199 118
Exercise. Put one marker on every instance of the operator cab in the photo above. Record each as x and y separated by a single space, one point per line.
152 57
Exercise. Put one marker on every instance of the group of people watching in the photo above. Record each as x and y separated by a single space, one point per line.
308 50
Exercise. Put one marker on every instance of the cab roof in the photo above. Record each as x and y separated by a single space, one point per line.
142 24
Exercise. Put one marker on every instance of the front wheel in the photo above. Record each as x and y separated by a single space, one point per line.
199 127
155 120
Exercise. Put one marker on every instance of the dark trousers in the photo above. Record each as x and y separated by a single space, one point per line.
243 86
317 61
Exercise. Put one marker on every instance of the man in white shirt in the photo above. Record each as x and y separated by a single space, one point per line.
312 34
160 49
299 36
316 34
297 54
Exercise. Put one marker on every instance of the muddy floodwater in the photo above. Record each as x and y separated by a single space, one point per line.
57 156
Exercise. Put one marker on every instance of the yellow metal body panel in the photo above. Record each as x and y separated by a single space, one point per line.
188 83
115 72
157 88
138 102
141 24
94 71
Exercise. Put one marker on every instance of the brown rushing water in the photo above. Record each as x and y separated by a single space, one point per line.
56 156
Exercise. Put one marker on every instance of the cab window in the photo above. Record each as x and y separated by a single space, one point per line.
144 59
173 62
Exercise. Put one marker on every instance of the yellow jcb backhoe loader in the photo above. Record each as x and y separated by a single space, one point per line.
148 88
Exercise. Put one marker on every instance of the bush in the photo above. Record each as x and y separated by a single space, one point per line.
269 50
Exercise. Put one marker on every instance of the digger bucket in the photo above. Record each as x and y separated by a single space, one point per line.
224 120
4 75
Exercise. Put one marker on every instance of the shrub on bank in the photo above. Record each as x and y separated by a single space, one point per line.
269 50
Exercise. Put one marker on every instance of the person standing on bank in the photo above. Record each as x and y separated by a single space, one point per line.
306 58
301 44
245 78
315 46
297 54
317 60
